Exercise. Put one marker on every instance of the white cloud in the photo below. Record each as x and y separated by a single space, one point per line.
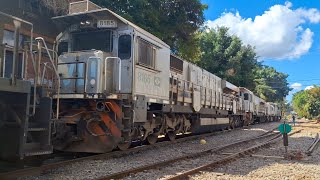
278 33
309 87
296 86
288 4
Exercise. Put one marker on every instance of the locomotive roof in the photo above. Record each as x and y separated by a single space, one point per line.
230 86
245 89
69 19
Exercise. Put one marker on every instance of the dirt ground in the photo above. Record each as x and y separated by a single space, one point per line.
269 163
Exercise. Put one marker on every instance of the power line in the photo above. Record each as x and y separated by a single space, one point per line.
296 81
277 87
304 80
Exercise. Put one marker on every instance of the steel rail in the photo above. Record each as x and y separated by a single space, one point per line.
313 145
126 173
38 170
229 158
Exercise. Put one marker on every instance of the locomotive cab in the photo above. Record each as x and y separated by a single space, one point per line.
247 99
94 57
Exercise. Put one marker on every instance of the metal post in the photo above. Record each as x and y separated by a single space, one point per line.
87 5
14 75
40 39
285 138
38 63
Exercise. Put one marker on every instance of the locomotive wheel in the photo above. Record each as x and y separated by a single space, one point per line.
124 145
152 138
171 135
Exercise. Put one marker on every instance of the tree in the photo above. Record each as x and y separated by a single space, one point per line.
58 7
270 84
176 22
307 103
226 57
314 101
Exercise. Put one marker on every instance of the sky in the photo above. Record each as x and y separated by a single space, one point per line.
286 34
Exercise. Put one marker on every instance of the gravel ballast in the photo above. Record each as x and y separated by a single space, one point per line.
296 165
92 169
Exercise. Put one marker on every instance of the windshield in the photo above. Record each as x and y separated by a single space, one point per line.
98 40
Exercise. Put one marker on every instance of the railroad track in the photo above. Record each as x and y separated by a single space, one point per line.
313 145
38 170
229 158
129 172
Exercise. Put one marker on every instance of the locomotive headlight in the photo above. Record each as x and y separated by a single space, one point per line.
92 81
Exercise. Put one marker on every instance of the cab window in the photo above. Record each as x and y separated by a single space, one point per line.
246 96
98 40
62 47
124 51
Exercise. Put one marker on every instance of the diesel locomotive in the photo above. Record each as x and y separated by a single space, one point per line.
116 83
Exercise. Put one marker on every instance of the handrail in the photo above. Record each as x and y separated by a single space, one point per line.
56 72
44 71
50 50
32 58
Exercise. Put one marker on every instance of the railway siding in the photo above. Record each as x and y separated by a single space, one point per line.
92 169
270 163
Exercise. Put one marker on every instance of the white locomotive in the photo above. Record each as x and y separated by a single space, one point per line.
119 83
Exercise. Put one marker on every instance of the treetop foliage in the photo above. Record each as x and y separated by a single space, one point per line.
174 21
270 84
226 56
306 103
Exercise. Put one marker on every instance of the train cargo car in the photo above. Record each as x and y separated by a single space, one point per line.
25 106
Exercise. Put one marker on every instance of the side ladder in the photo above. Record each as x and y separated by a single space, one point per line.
38 140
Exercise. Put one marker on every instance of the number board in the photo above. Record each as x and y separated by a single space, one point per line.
106 24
